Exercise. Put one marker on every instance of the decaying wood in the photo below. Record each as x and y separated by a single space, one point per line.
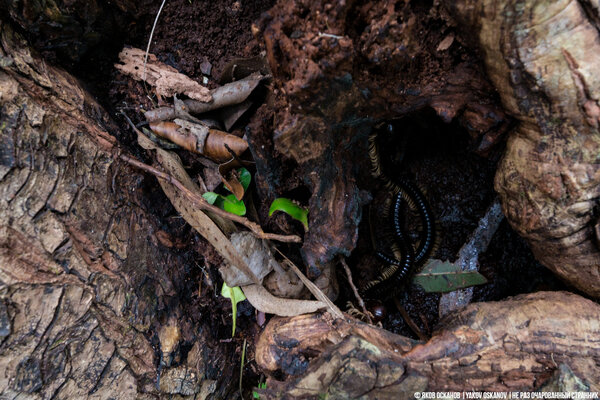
515 344
166 79
334 84
544 62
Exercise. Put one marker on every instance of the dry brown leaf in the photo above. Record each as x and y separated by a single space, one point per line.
264 301
226 95
200 139
285 284
193 216
231 114
166 79
217 142
256 254
234 185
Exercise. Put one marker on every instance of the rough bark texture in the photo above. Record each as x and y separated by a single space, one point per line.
84 283
543 58
516 344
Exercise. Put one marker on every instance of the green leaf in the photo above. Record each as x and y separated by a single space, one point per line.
228 203
262 385
442 276
233 205
210 197
236 295
245 177
290 208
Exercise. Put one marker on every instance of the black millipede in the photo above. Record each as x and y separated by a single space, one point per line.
404 258
398 267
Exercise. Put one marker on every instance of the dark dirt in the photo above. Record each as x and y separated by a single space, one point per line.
441 140
458 183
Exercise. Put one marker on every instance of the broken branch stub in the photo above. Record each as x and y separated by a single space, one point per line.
166 79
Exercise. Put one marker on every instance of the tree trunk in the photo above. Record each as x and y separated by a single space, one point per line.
88 284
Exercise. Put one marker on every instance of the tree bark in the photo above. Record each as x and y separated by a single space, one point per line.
512 345
543 57
86 287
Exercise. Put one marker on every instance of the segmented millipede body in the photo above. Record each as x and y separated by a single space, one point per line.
405 258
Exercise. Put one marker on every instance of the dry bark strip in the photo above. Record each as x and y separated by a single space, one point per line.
166 79
516 344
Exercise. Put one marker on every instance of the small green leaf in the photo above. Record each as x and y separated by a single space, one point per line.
442 276
236 295
245 177
228 203
290 208
262 385
210 197
233 205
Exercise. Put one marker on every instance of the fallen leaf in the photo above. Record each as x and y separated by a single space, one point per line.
218 142
264 301
256 254
231 114
237 181
439 276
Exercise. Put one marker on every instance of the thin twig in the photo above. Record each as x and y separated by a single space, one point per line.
242 367
409 321
318 293
150 39
361 302
202 204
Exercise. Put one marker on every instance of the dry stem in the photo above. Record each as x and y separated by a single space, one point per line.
201 203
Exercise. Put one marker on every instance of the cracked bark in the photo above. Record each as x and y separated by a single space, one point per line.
82 284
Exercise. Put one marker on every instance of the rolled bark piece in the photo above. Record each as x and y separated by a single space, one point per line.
226 95
514 344
200 139
543 58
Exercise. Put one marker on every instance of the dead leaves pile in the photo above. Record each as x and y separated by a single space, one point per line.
248 255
